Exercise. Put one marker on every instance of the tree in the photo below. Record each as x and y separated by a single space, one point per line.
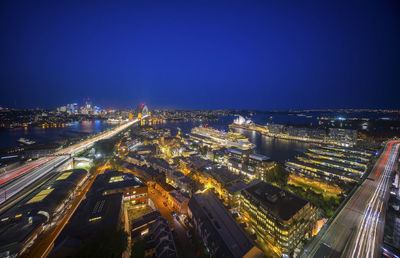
116 163
107 242
278 175
106 147
138 249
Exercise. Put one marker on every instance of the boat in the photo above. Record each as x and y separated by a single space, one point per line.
221 138
25 141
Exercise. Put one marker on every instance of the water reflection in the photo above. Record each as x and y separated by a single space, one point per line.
277 149
8 138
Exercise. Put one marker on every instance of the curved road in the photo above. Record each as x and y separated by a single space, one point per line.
357 231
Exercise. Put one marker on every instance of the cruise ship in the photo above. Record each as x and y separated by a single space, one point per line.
212 136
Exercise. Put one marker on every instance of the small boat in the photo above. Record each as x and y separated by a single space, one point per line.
25 141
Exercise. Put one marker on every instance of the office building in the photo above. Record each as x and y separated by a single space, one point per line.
279 218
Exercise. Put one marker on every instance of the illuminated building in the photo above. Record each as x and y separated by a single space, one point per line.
327 163
111 182
178 202
218 230
252 165
215 138
195 163
337 136
275 129
171 146
178 180
217 156
234 192
346 137
149 175
242 121
218 178
321 172
158 164
224 182
242 155
279 218
164 188
150 149
135 159
306 133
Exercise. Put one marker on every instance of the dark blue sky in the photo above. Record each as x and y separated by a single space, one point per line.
201 54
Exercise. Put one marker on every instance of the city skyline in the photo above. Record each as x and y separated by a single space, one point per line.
200 129
205 55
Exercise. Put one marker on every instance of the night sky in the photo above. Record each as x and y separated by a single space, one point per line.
201 54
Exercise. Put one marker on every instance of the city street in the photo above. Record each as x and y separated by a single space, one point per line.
183 243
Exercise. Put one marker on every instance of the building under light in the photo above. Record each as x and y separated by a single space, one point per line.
279 218
252 165
111 182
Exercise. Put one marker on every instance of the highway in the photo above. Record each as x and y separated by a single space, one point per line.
17 179
357 230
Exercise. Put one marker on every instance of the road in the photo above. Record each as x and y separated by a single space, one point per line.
357 230
9 189
183 243
17 179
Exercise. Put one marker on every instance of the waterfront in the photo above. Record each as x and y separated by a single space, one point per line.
277 149
8 138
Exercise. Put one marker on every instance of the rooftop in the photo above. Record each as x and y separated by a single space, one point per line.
24 218
155 231
142 221
322 170
223 175
259 157
94 213
236 151
157 161
199 162
185 179
239 186
49 196
165 186
207 207
177 174
282 204
111 180
15 232
178 196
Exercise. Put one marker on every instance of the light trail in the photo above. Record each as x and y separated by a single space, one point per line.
366 239
16 180
357 230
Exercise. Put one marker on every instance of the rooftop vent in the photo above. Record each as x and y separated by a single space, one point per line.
271 197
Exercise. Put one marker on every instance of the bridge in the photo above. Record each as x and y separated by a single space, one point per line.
16 180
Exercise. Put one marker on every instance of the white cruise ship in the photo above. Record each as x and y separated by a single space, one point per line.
216 137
